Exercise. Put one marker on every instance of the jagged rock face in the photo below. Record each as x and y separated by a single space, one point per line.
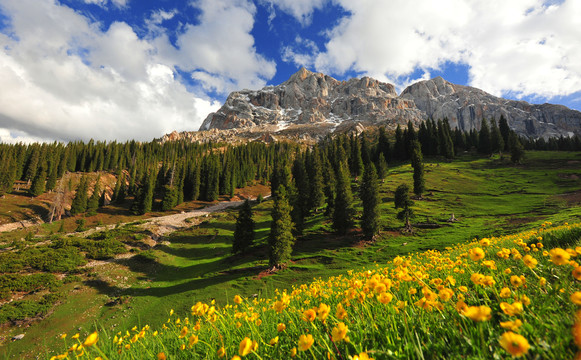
465 107
314 98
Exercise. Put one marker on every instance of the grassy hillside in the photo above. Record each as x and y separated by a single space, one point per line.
489 197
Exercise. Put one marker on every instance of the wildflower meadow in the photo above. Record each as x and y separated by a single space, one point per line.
511 296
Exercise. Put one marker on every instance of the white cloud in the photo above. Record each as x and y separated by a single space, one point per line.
220 50
520 46
63 78
105 3
302 10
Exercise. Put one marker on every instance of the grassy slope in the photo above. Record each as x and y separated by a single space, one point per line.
488 197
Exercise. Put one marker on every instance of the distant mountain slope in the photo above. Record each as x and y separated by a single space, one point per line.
309 98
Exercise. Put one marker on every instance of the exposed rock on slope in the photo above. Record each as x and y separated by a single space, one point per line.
466 106
308 98
316 102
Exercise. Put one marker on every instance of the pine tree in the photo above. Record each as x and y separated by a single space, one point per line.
369 193
399 148
244 231
39 183
281 239
93 203
517 152
381 167
79 204
343 215
496 140
504 131
383 146
196 182
299 194
52 176
356 162
418 165
316 186
402 201
484 143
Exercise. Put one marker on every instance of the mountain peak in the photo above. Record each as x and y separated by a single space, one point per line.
323 104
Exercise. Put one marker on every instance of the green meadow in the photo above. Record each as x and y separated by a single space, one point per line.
487 196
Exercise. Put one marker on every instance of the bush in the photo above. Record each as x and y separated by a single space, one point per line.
23 309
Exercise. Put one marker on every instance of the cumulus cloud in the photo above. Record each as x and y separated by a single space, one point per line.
302 10
220 51
522 47
105 3
65 76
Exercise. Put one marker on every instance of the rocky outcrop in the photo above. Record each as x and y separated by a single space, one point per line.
316 99
313 98
466 106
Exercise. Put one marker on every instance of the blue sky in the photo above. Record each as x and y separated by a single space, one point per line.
136 69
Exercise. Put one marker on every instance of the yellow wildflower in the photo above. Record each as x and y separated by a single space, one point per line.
238 299
293 352
221 352
505 293
530 261
511 325
309 315
184 332
340 313
362 356
273 341
91 339
478 313
559 256
576 298
476 254
323 312
339 332
245 347
305 342
193 340
577 273
384 298
281 327
511 309
161 356
515 344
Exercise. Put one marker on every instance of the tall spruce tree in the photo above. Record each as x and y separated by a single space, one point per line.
418 165
280 239
93 202
517 152
343 214
299 194
484 142
381 167
38 185
504 131
79 204
402 201
244 231
369 193
316 187
496 140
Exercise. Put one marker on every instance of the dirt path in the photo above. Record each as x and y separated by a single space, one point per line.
20 224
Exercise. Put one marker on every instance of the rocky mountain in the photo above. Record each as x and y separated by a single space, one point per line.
315 104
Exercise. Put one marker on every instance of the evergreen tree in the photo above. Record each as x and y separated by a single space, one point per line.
356 162
517 152
402 201
399 148
38 185
170 197
369 193
144 199
281 239
418 165
329 186
119 191
316 198
343 215
445 139
196 182
299 194
52 176
383 146
93 203
496 141
381 167
504 131
79 204
244 231
484 142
